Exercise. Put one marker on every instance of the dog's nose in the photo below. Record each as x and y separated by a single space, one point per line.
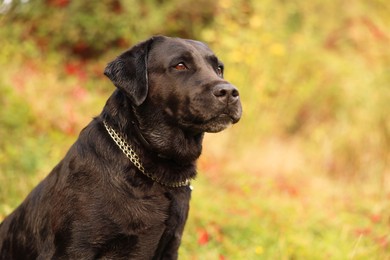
226 93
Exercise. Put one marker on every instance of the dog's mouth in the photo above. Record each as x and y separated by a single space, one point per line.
219 123
212 125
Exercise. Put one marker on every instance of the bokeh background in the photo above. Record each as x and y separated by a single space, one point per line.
305 173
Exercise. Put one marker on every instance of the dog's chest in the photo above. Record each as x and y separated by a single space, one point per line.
179 205
174 224
161 206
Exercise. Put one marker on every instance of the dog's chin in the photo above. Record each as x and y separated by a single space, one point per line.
217 127
214 125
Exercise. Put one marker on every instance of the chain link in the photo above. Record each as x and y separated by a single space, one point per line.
134 158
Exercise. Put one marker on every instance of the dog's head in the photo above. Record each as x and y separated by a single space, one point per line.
182 78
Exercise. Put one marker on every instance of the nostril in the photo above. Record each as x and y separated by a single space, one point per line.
220 92
235 93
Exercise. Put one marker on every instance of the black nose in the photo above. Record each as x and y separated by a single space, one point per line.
226 93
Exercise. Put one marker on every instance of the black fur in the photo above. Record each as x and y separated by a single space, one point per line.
95 204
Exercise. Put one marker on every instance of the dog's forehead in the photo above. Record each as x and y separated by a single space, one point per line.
199 45
175 46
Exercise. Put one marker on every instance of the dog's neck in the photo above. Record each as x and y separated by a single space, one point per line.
167 140
151 131
144 142
130 153
140 136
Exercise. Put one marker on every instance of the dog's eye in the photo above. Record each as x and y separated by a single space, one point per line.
220 71
181 66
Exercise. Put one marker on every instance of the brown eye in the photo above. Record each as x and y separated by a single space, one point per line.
181 66
220 71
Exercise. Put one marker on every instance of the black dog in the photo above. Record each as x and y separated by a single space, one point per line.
122 191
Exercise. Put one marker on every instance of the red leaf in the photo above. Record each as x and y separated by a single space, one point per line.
363 231
59 3
72 68
383 241
203 237
375 218
77 70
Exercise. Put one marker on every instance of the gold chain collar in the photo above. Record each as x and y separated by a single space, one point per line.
134 158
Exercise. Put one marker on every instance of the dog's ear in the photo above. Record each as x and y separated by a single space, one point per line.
129 72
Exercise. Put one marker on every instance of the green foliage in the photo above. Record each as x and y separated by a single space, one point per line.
15 119
88 28
305 173
271 223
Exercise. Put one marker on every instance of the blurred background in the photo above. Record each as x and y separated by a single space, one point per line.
304 175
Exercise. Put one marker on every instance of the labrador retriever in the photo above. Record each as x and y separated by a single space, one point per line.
122 191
